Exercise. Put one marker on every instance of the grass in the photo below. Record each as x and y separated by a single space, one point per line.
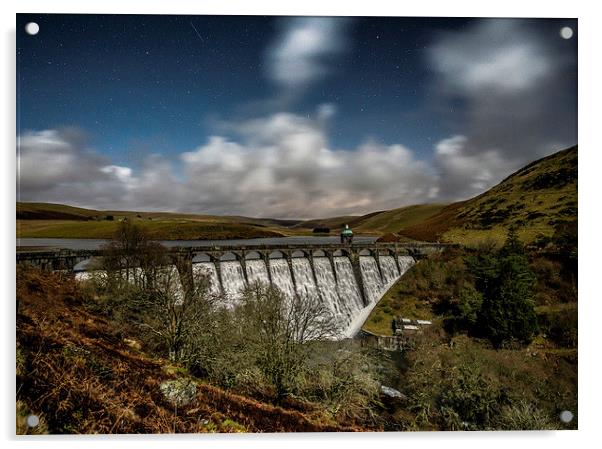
534 200
396 219
157 229
396 302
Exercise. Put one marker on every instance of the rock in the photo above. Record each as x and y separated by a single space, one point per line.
179 392
392 392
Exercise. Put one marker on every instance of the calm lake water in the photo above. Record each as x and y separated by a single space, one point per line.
96 243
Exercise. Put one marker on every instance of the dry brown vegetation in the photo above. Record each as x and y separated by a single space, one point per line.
83 375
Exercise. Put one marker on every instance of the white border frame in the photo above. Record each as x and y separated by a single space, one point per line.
589 168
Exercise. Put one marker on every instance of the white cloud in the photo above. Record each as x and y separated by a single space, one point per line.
282 166
464 174
500 55
285 167
56 165
123 174
300 54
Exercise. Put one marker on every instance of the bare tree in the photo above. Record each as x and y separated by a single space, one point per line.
277 331
175 316
170 312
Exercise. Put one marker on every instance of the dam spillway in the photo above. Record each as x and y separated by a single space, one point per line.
349 293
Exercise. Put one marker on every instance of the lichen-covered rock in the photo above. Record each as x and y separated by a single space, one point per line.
179 392
392 392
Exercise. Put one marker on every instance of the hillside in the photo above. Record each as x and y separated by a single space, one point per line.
51 211
81 374
379 222
47 220
396 219
535 200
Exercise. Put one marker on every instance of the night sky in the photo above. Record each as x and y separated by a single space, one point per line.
284 116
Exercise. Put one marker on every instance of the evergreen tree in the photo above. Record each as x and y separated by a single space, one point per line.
507 284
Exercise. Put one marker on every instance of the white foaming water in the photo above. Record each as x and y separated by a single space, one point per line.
304 278
347 287
343 297
405 263
327 284
257 271
233 280
83 276
350 298
340 293
389 269
373 284
281 276
207 269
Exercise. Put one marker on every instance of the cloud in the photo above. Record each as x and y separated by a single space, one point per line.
57 164
493 55
517 87
282 166
304 46
467 173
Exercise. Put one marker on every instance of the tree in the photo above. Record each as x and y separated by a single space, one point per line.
508 287
149 288
278 332
174 316
469 305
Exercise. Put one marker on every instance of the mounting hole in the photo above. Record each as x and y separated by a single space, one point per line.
566 32
566 416
33 420
32 28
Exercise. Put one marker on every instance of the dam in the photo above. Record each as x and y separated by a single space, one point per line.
348 279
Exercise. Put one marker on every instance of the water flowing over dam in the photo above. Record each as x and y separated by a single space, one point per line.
331 280
348 280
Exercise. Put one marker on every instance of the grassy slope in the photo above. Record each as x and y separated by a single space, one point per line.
396 219
380 222
50 211
541 377
534 199
172 229
62 221
80 375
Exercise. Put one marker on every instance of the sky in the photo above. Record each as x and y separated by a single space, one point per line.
286 117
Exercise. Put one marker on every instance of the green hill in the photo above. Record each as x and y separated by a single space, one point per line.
535 200
396 219
380 222
48 220
51 211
